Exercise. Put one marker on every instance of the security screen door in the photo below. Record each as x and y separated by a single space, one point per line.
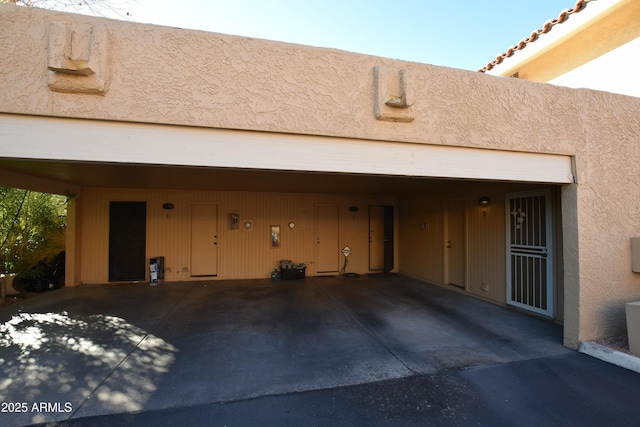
529 252
127 241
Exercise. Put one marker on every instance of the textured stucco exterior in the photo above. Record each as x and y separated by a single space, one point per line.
172 76
169 76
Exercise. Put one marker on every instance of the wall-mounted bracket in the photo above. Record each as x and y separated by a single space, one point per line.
78 58
393 96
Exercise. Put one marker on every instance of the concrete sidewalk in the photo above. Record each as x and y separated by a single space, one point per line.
97 350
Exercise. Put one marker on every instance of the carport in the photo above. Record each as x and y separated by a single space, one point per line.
450 207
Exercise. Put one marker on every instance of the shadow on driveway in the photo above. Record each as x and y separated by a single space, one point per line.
95 350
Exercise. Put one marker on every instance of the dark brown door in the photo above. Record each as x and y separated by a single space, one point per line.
388 238
127 241
380 238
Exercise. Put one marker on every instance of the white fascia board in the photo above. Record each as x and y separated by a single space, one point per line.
43 138
558 34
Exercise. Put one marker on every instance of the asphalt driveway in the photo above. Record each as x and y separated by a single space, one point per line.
96 350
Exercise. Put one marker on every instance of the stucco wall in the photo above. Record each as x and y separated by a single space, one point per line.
608 200
174 76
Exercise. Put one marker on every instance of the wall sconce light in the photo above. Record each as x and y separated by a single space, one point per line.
167 206
423 226
484 201
234 220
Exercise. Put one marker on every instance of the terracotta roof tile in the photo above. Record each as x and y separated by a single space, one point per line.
564 15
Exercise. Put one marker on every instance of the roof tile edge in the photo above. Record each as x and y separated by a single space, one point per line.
564 15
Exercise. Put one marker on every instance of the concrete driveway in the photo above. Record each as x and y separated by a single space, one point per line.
94 350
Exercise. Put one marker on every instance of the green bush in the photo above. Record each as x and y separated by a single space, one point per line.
32 228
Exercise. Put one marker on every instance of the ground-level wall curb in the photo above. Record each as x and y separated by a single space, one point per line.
614 357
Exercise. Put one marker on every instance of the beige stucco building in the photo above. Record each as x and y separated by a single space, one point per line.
226 155
595 45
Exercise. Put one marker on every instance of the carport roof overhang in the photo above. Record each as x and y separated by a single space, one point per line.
117 154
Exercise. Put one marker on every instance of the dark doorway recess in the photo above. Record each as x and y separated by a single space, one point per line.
388 242
381 238
127 241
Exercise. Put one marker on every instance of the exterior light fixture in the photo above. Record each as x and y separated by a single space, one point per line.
168 206
484 201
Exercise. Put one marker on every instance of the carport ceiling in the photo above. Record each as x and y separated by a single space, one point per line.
200 178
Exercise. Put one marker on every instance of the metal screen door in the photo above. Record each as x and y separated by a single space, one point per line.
529 252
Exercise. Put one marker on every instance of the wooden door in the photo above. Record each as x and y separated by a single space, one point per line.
204 240
455 247
327 239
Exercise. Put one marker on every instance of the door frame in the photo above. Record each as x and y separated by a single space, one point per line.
547 252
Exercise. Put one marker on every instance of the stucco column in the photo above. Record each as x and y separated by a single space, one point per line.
73 261
571 266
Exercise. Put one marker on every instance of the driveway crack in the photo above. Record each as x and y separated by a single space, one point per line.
133 348
353 316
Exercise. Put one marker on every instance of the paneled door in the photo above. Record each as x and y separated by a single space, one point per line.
327 239
529 252
455 247
204 240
